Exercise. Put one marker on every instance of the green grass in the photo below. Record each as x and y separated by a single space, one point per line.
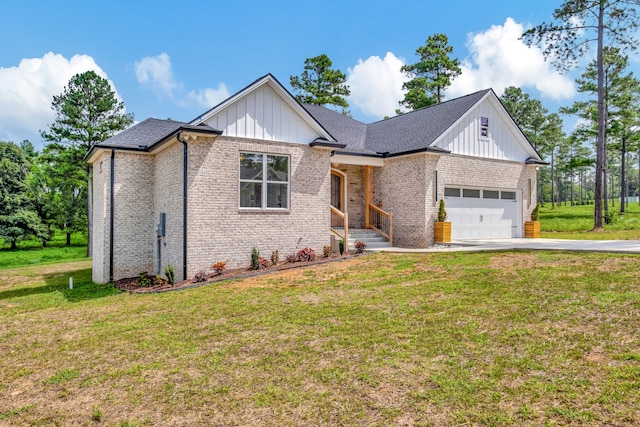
32 253
576 222
490 339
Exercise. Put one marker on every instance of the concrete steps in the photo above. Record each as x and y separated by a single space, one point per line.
372 239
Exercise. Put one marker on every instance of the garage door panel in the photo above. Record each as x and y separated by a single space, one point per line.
483 218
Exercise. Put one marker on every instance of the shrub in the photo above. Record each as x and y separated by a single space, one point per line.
360 246
275 257
534 212
609 217
170 273
255 259
327 251
144 280
218 267
263 263
201 276
292 258
306 254
341 246
442 213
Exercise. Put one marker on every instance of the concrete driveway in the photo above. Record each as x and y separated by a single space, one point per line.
615 246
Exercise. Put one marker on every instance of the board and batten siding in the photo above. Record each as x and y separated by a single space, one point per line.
501 144
262 115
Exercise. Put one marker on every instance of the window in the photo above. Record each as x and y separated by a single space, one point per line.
264 181
475 194
451 192
484 127
508 195
490 194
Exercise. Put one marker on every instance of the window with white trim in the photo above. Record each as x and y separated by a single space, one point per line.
264 181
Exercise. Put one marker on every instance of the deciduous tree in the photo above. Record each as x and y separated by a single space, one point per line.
18 220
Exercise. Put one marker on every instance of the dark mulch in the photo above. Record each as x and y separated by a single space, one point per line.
159 284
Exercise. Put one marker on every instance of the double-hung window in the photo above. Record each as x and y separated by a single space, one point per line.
264 181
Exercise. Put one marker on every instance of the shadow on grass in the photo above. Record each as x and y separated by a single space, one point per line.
83 288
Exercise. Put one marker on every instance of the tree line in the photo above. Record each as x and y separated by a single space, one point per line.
51 189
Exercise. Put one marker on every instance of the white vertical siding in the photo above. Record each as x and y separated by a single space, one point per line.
263 115
502 143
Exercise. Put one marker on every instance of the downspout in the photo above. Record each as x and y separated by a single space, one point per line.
184 207
111 212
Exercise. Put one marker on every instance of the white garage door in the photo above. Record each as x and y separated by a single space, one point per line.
483 213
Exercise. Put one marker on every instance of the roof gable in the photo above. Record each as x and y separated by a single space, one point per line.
265 110
500 139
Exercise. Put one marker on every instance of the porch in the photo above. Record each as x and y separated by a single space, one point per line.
355 215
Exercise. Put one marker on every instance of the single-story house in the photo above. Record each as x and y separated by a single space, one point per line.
261 170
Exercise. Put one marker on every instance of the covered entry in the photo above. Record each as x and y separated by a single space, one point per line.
483 213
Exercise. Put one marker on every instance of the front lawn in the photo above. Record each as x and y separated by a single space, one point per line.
576 222
525 338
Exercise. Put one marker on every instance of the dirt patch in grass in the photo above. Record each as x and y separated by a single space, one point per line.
156 284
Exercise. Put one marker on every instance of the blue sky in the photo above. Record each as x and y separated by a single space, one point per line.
178 59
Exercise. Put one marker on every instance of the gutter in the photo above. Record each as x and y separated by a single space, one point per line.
184 206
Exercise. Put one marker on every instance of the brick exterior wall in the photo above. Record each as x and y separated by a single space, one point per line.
402 185
167 195
101 216
220 231
406 188
456 170
134 231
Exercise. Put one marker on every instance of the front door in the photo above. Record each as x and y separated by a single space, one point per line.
337 197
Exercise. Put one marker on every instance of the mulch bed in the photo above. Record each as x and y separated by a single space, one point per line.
157 284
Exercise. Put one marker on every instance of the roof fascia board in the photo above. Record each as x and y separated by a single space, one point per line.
355 160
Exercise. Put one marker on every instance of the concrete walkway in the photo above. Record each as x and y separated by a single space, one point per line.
614 246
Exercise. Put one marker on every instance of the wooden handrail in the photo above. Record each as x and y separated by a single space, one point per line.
381 222
344 218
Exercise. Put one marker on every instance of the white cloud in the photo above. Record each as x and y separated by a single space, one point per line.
209 97
376 85
499 59
26 92
156 73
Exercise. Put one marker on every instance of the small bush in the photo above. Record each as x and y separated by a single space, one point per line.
201 276
292 258
327 251
360 246
534 212
144 280
275 257
255 259
442 213
263 263
341 246
306 254
219 267
609 217
170 273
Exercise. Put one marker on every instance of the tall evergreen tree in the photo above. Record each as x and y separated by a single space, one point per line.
578 23
87 112
431 75
319 84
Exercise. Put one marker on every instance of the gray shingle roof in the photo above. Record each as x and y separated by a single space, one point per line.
148 133
414 131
